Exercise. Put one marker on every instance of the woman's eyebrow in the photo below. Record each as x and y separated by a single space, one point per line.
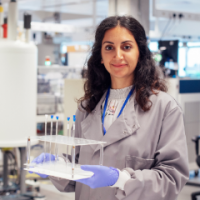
122 42
127 41
108 42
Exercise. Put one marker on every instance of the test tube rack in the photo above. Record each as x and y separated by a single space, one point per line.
59 167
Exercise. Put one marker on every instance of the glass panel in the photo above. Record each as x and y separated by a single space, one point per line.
182 61
193 61
153 46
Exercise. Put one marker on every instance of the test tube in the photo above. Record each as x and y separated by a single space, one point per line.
101 155
73 160
73 147
73 126
45 143
56 146
68 135
28 150
50 137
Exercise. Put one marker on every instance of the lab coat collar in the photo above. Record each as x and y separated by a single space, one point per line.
98 108
122 127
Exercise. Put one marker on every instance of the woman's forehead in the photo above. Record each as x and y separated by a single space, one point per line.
118 34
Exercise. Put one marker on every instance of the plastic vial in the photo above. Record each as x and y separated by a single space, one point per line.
45 143
68 135
50 137
28 150
56 146
73 147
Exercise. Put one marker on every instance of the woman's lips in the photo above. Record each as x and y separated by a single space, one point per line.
119 65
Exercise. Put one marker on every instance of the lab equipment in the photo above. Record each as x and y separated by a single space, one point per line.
17 58
103 176
12 20
18 62
27 26
58 167
5 27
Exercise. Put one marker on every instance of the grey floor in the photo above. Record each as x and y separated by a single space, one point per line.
186 192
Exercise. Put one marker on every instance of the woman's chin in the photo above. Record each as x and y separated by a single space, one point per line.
119 74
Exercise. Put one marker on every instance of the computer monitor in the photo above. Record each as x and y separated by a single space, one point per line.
169 51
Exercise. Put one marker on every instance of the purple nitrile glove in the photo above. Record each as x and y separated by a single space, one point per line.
103 176
44 157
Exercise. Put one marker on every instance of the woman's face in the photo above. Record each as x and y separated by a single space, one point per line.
120 53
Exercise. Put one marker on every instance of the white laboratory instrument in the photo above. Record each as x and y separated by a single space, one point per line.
18 86
18 70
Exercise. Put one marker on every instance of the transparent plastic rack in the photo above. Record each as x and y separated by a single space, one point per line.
61 168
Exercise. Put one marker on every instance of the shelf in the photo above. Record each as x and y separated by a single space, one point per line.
63 69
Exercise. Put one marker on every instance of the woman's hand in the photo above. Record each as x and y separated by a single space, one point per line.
44 157
103 176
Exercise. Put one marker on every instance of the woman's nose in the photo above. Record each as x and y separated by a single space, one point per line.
118 54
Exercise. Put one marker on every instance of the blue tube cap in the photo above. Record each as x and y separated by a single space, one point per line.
57 117
51 116
74 118
68 118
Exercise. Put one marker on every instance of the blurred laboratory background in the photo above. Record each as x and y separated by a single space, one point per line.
44 47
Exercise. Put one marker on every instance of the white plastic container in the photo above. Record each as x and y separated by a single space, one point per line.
18 70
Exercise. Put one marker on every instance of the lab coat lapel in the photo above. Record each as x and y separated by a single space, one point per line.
124 126
92 126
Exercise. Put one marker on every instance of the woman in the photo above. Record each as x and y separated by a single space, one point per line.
125 105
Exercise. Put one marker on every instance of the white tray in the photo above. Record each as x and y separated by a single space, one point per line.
59 169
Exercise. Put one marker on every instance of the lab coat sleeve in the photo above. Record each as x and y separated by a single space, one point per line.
170 171
64 185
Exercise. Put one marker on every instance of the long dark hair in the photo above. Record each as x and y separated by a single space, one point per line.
146 77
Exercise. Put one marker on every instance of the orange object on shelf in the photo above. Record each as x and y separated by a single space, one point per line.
47 61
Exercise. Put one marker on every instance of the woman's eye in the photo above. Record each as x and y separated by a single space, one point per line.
127 47
109 48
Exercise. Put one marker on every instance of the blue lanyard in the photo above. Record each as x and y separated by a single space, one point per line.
106 103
